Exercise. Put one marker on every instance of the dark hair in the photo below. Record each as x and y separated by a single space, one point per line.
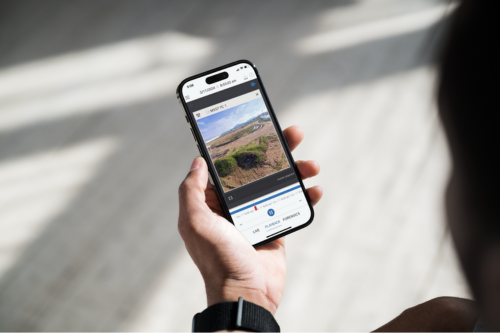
469 109
469 89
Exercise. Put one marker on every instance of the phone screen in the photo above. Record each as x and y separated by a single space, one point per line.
260 188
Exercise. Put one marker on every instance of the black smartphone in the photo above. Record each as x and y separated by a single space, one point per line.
250 165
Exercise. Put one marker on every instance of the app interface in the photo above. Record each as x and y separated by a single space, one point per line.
260 187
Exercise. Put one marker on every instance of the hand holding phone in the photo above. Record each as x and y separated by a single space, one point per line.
230 266
250 165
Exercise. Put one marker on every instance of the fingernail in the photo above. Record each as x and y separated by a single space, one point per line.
196 164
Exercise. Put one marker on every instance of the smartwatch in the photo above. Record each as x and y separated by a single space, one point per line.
235 315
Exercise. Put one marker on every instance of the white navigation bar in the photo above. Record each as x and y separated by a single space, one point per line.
222 106
198 88
267 216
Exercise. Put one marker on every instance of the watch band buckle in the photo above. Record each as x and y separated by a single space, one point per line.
239 314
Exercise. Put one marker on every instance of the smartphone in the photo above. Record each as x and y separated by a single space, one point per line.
250 164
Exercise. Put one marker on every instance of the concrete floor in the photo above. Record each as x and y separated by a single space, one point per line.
92 151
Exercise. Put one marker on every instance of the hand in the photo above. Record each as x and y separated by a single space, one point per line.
230 265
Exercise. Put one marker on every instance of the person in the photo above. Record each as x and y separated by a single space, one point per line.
467 103
232 268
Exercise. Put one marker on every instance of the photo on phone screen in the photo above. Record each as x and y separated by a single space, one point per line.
243 143
260 187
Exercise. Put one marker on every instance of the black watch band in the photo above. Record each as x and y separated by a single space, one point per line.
235 315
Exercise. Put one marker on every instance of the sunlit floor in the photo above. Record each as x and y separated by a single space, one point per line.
93 148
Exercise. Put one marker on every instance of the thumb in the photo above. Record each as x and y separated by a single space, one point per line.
192 189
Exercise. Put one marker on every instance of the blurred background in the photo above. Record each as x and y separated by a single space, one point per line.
93 146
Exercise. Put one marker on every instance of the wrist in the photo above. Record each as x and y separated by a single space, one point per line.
240 315
232 293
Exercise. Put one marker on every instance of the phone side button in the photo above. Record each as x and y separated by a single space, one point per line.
187 119
199 149
193 135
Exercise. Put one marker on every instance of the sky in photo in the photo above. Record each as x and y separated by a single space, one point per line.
216 124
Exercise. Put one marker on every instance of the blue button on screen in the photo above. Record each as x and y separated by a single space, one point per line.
252 84
270 212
